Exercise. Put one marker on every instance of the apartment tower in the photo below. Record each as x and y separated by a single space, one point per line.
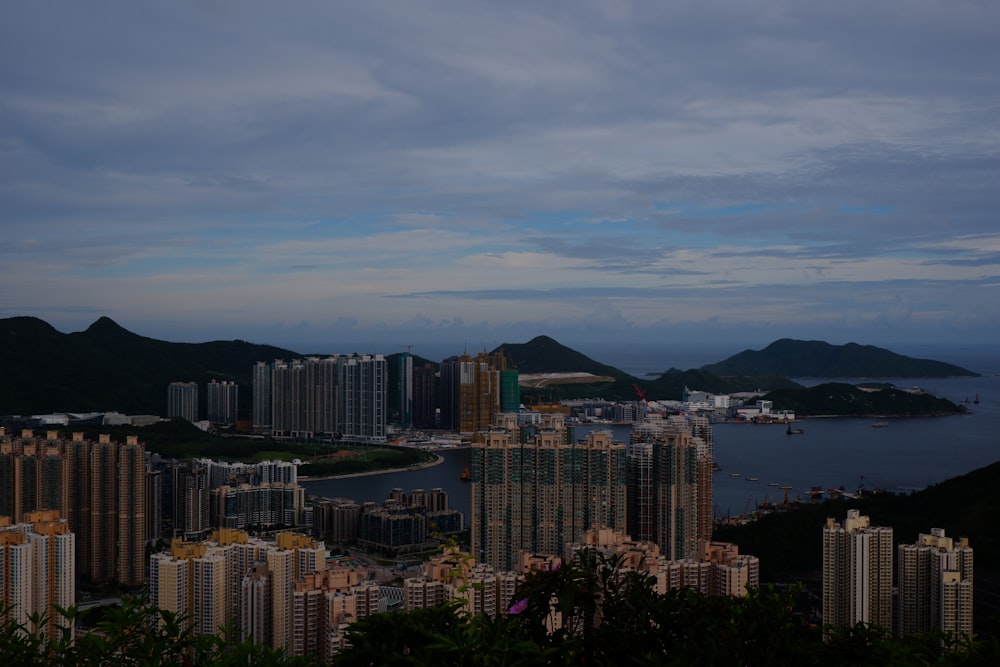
934 580
536 491
857 572
98 487
669 484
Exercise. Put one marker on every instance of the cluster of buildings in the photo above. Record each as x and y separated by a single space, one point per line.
97 487
402 523
38 571
221 402
929 588
341 396
537 487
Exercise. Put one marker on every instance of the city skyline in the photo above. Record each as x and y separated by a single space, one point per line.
478 172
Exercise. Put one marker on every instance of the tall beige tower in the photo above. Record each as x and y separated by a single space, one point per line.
98 487
538 494
934 580
38 571
857 572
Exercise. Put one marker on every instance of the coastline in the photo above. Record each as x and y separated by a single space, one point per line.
438 460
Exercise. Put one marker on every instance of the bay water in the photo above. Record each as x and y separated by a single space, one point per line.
908 454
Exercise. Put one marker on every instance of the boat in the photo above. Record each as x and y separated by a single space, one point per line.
880 424
794 431
465 476
716 467
734 474
976 399
773 484
753 479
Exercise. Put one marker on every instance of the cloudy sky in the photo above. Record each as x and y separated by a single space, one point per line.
403 172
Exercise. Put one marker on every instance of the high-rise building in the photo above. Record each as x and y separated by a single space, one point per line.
222 402
362 397
471 391
857 572
182 401
405 398
191 493
663 484
934 583
262 397
425 396
99 487
38 572
343 395
536 492
236 581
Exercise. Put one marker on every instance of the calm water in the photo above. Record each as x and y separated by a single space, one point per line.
908 454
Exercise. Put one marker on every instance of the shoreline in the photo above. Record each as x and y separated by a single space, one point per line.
438 460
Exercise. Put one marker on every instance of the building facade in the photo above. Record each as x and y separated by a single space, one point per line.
98 487
222 402
934 583
38 572
537 491
340 396
182 401
857 572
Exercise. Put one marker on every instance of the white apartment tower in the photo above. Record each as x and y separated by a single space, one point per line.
182 401
857 572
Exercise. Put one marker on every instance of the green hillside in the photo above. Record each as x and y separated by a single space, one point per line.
801 358
109 368
836 398
790 546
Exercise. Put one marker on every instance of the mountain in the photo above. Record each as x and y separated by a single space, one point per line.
837 398
107 367
813 358
542 354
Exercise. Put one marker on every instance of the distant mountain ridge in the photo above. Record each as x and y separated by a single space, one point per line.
107 367
543 354
813 358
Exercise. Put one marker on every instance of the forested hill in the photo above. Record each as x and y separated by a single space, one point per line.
545 355
109 368
813 358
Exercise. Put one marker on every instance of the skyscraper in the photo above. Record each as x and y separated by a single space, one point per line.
535 492
425 396
471 391
38 571
669 475
405 398
262 397
857 572
222 402
182 401
99 487
341 395
934 580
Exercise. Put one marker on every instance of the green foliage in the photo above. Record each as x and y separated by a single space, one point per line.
593 612
133 634
837 398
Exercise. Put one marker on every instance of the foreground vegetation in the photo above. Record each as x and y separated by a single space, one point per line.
608 617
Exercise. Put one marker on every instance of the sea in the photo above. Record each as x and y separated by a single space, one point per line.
756 461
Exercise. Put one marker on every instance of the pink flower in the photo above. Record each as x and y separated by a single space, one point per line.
518 606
